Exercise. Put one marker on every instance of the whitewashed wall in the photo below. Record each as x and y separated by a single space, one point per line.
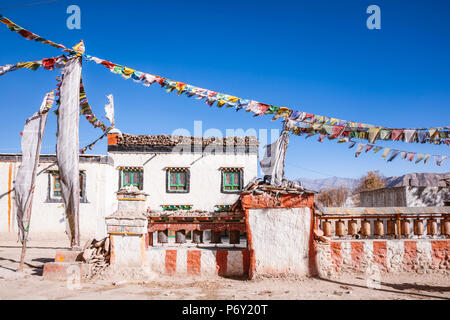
102 181
280 241
205 176
47 219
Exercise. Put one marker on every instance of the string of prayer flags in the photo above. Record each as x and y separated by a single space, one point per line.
29 35
86 110
332 127
47 64
92 144
388 154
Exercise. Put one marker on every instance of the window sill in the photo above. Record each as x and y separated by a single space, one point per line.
173 191
61 201
231 192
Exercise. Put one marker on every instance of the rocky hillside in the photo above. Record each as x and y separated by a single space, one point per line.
318 184
419 179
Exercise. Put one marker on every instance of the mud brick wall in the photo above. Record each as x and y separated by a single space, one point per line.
389 256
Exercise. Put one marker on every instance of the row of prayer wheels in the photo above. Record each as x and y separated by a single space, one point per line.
391 227
197 237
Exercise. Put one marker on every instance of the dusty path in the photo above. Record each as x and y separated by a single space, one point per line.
30 285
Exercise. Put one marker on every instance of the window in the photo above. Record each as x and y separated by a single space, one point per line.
131 176
177 180
56 186
55 191
231 179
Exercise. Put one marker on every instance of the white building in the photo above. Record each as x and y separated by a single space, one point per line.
176 172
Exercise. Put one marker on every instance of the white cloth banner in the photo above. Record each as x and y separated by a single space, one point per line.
67 146
109 109
273 161
32 134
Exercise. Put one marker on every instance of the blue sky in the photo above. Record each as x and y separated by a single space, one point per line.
313 56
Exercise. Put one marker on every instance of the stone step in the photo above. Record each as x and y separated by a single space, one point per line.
68 256
66 270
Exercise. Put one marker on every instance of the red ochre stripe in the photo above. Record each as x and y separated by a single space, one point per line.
410 254
171 261
440 251
194 262
336 255
380 253
221 262
357 252
246 262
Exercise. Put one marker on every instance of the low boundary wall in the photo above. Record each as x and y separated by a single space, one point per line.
392 256
198 262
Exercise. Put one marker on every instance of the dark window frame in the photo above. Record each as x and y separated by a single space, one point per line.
187 180
223 171
58 199
140 170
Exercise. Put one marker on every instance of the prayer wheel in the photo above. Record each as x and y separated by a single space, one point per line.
378 227
445 227
180 236
418 227
365 228
432 228
340 228
352 227
216 237
235 237
326 228
206 235
197 236
391 227
405 227
163 236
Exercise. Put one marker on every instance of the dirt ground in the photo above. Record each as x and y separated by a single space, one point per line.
31 285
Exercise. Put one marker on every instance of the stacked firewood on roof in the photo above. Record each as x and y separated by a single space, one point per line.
168 140
260 186
98 254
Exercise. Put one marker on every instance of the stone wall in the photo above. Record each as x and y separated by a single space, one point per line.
388 256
